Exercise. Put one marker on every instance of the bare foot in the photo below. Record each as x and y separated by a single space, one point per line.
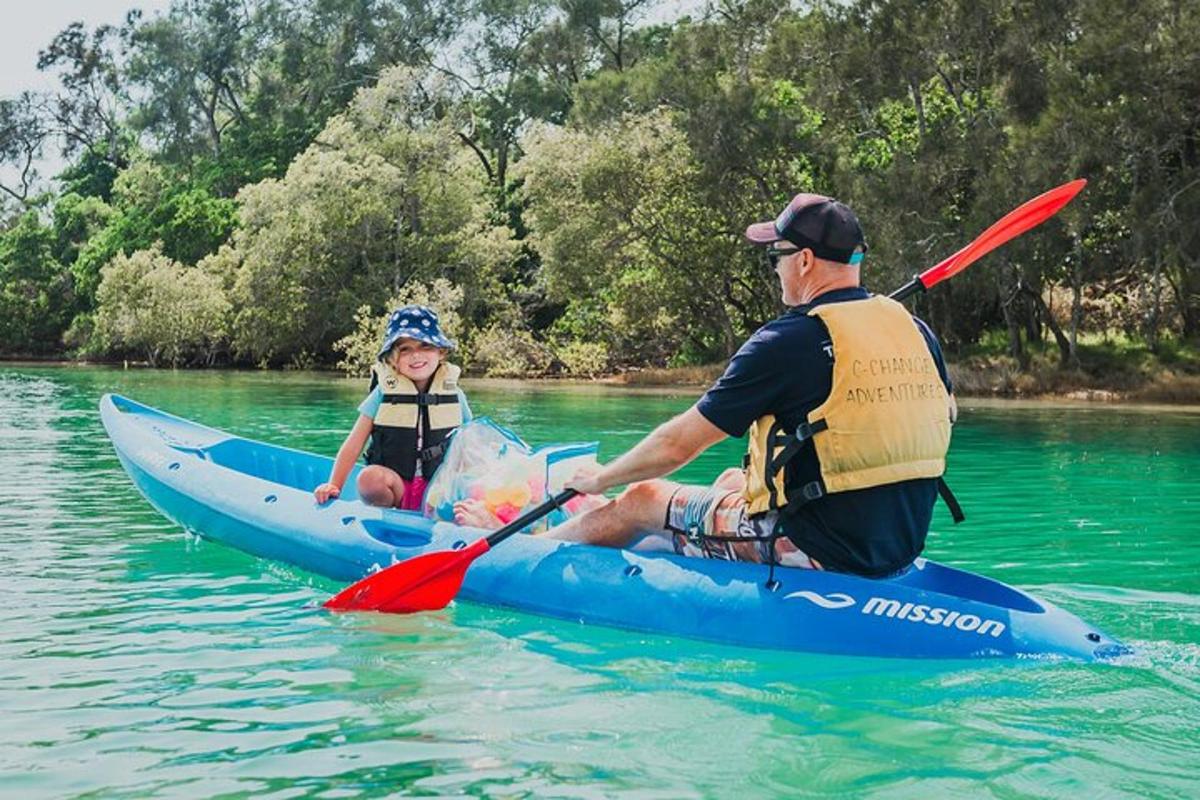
474 514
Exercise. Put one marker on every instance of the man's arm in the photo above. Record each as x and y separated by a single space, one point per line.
668 447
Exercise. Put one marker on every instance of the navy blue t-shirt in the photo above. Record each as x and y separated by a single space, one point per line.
786 369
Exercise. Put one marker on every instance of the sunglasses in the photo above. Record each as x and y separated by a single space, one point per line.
776 253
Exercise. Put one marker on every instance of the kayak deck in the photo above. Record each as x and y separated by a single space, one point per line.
257 497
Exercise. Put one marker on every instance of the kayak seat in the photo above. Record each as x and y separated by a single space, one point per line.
303 471
933 577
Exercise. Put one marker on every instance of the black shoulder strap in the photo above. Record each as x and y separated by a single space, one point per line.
951 501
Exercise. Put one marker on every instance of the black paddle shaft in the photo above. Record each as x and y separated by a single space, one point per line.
908 290
534 514
530 516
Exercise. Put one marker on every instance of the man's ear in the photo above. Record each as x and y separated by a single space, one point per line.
807 260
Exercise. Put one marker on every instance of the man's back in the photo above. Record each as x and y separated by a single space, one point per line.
786 369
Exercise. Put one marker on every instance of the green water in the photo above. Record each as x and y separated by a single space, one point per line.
138 662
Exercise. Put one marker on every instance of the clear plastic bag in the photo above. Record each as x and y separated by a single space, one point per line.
489 463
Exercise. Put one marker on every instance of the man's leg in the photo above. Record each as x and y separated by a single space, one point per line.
380 487
640 509
733 479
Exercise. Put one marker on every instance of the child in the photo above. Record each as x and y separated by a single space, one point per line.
413 407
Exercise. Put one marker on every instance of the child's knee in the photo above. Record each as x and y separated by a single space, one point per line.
375 486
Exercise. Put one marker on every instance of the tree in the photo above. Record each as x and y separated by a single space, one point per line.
153 307
35 291
385 196
618 215
23 137
88 114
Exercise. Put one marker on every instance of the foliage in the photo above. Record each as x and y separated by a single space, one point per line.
619 215
582 171
385 197
583 359
35 291
152 307
506 351
360 347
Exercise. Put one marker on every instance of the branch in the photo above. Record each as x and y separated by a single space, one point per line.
482 156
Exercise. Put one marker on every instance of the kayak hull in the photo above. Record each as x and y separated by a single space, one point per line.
258 498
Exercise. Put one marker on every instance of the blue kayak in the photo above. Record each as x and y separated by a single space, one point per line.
257 498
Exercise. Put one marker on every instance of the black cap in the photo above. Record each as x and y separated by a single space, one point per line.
829 228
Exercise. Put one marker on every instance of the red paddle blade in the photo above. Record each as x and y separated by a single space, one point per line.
424 583
1013 224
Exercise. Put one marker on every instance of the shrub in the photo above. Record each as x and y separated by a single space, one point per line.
504 351
583 359
152 306
361 346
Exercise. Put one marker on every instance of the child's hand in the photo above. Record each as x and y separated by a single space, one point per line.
326 492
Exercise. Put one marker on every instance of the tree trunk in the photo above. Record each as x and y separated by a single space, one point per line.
1014 332
1155 320
1064 345
1076 301
914 87
1012 319
1030 315
1187 297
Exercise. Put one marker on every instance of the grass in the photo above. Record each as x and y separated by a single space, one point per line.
1111 367
702 375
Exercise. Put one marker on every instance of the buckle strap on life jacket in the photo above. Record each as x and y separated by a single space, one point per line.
815 490
793 442
432 453
420 399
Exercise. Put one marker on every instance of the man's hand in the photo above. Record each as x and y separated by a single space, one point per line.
326 492
586 480
668 447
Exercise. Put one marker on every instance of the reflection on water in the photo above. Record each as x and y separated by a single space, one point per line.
138 661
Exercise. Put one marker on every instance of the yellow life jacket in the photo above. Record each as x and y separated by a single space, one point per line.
886 418
406 412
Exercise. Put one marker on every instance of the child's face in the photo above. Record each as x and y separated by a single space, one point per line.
415 360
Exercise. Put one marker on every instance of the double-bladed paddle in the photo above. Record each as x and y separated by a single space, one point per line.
1028 215
430 581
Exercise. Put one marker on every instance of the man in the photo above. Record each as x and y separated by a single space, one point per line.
849 409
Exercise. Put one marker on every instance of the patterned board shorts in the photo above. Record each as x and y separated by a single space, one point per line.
711 522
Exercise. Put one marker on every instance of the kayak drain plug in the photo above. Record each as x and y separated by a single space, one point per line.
1093 637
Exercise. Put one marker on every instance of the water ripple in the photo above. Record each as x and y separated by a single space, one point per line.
137 661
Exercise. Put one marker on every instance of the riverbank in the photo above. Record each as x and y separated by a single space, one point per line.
1109 372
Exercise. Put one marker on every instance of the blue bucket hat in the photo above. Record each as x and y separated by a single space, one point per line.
414 322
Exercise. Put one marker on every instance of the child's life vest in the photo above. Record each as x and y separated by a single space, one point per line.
411 427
